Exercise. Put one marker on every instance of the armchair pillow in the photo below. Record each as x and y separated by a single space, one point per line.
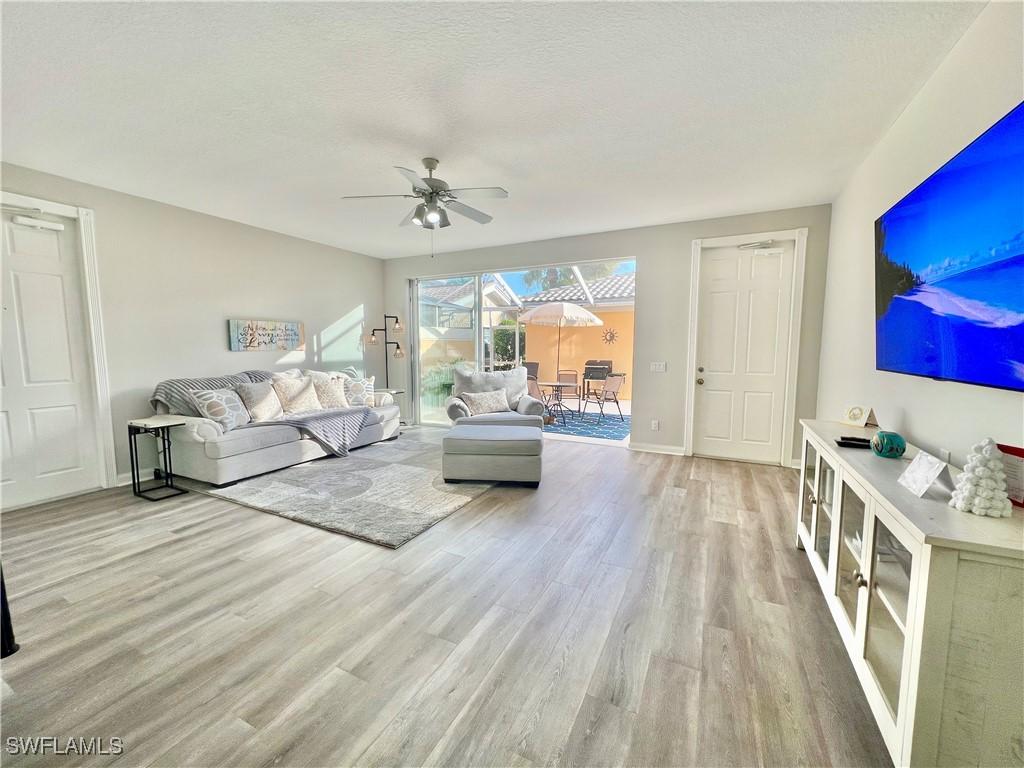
220 405
494 401
297 395
359 391
261 400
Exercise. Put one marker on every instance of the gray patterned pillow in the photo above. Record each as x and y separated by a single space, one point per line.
221 405
261 400
359 391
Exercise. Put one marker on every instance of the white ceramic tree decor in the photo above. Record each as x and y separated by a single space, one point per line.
981 487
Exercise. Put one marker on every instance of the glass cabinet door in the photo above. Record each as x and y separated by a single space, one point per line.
807 491
824 493
891 565
849 578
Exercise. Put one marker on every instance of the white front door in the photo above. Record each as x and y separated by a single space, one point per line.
743 316
49 443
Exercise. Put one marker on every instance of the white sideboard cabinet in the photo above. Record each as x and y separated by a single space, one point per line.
929 602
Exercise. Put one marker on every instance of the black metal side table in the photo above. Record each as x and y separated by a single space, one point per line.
160 427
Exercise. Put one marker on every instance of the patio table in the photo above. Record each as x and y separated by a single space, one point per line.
558 407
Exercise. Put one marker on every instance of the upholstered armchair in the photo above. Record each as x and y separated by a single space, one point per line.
524 410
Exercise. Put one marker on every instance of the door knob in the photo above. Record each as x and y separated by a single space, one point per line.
701 369
700 381
858 577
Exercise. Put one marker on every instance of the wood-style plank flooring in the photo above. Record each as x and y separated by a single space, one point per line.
636 609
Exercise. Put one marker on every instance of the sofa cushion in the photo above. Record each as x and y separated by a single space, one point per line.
223 406
297 395
261 400
513 382
492 440
381 414
510 418
250 439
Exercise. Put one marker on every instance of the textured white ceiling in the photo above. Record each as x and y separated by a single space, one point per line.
594 116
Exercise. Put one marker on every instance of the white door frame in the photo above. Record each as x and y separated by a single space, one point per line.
799 236
86 219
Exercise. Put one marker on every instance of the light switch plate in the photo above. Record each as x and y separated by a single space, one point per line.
655 425
658 367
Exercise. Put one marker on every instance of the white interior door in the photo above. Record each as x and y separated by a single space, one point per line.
49 441
743 314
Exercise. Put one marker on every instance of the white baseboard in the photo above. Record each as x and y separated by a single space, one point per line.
672 450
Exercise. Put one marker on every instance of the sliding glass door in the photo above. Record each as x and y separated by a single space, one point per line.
448 333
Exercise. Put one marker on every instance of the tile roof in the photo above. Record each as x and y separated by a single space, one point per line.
612 288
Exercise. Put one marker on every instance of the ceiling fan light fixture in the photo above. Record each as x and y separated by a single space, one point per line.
443 219
433 215
420 215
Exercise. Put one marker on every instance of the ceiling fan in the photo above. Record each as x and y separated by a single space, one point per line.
438 198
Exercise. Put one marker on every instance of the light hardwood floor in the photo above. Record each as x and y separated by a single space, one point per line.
636 609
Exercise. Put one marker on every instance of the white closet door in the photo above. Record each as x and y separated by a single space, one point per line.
742 351
49 446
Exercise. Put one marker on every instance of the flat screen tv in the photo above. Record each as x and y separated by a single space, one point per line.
949 267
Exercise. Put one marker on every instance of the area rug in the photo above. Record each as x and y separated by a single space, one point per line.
387 493
608 428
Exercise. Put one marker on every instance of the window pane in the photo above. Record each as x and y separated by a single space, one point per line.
447 336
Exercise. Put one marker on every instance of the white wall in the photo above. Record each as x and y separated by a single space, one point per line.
663 257
980 80
170 278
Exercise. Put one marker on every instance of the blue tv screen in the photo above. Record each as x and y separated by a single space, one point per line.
949 267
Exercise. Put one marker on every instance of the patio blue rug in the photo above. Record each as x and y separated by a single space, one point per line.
608 428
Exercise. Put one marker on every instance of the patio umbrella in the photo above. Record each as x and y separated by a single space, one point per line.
560 313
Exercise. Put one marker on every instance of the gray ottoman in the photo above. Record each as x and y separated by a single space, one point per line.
490 452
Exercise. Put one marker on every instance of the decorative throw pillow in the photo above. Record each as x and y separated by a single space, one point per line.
261 400
359 391
331 392
485 402
220 405
296 395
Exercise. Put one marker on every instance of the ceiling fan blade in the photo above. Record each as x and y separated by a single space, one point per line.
369 197
413 178
468 212
498 192
408 218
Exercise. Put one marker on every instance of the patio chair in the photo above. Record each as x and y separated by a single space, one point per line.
532 369
569 376
533 390
608 393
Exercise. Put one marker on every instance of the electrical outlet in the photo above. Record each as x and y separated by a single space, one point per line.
655 425
657 367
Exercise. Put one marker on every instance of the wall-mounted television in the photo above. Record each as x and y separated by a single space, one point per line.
949 267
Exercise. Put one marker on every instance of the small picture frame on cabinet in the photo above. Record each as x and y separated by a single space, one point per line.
859 416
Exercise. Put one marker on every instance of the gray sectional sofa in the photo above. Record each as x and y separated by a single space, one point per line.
202 450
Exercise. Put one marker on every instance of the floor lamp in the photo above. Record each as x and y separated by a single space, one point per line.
372 340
